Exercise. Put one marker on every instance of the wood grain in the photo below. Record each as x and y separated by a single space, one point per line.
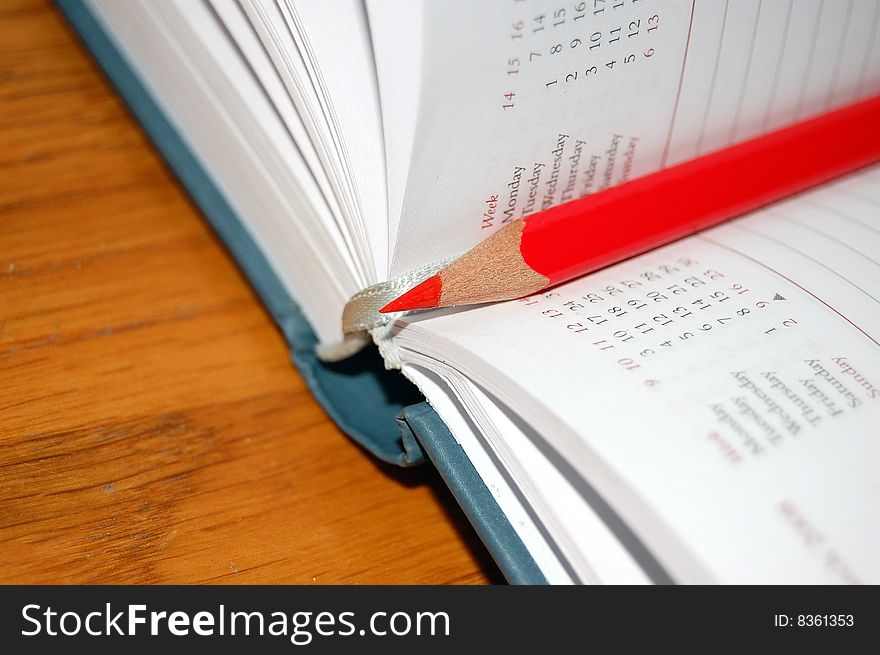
152 429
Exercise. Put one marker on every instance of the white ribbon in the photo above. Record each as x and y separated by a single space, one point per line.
361 320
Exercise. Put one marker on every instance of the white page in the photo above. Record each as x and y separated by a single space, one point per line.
447 405
335 40
242 144
722 393
855 58
234 20
517 112
506 458
342 145
396 28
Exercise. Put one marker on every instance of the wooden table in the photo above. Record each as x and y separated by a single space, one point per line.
152 429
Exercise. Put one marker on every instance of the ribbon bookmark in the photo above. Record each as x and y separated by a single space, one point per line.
362 322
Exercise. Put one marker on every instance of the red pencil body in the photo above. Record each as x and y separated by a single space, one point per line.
581 236
584 235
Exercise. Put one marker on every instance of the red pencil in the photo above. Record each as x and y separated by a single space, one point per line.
581 236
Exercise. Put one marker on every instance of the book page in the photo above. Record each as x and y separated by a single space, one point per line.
527 104
323 55
190 66
503 490
395 26
722 392
235 22
509 459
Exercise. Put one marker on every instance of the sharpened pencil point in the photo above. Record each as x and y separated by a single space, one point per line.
422 296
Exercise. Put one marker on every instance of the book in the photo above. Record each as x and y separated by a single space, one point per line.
704 412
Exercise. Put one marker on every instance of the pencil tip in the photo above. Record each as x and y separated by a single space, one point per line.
425 295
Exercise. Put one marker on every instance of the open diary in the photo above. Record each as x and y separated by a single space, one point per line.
706 412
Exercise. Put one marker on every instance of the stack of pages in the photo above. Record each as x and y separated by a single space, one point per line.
705 412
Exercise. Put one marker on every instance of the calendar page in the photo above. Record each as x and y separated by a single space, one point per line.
525 104
722 392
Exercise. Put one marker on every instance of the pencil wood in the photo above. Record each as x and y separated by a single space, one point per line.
493 270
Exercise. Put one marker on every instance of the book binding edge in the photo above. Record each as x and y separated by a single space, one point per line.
362 376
